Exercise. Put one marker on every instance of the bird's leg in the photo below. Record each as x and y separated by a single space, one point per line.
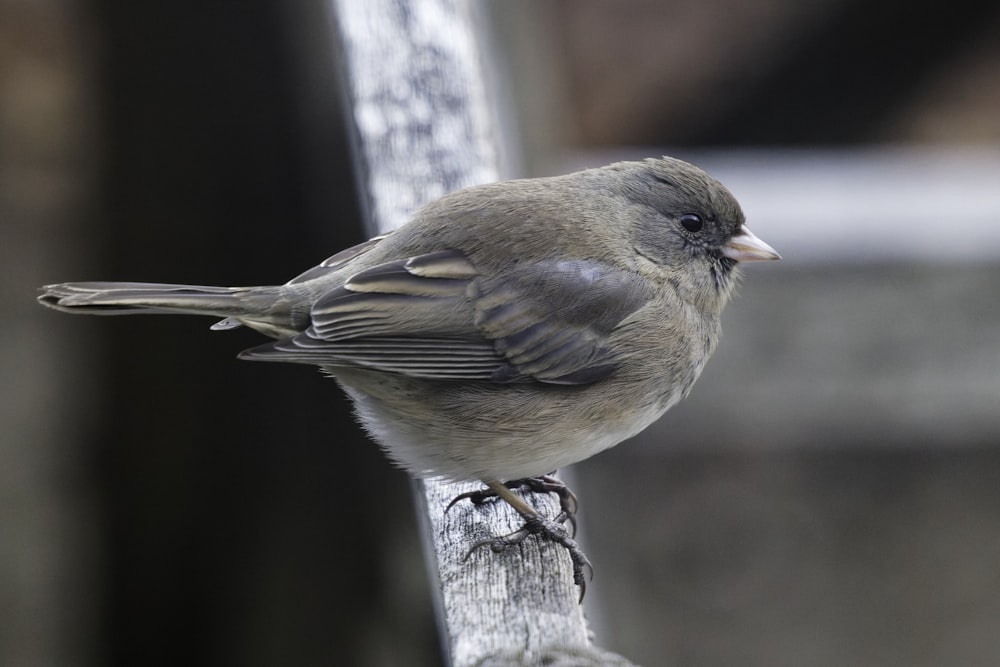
541 484
535 523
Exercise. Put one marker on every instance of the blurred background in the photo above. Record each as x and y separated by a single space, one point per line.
828 494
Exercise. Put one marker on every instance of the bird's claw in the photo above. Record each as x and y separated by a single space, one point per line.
549 529
554 530
568 503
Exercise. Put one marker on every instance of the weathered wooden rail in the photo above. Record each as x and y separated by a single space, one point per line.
424 125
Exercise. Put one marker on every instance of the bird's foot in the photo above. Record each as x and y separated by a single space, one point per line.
548 529
568 503
554 530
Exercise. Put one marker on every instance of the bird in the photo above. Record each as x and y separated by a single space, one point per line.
507 329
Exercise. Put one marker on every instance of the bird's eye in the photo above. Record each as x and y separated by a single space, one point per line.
691 222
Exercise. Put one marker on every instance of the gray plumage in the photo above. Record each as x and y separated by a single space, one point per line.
508 329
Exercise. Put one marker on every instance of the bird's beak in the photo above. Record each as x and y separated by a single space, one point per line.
743 246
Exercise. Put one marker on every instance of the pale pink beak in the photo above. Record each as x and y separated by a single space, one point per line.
745 247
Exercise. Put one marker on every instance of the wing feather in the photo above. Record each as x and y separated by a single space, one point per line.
434 316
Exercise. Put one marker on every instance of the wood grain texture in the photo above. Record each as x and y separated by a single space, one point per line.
424 127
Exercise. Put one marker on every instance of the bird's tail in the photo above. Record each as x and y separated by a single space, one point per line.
257 307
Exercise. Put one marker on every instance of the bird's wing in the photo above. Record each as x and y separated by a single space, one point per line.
435 316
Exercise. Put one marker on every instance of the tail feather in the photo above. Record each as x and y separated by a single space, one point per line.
257 307
132 298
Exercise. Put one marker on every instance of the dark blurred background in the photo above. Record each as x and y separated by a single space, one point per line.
827 496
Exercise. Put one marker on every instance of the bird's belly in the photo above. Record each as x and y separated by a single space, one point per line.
490 432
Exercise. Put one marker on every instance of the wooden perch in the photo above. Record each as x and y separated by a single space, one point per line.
424 127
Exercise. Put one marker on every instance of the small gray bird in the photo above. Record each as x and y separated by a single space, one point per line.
508 329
